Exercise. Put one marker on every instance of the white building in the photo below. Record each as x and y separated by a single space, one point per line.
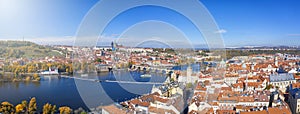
51 72
282 80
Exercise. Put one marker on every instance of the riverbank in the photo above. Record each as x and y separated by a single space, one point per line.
10 77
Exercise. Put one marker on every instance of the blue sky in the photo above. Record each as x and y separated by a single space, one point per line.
243 22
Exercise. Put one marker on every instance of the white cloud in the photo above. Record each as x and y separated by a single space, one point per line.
221 31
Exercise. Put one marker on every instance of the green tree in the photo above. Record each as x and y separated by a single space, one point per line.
268 87
98 60
189 85
83 112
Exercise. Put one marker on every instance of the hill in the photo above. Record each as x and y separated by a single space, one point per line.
26 49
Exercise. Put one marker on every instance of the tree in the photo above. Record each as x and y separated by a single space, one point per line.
83 67
69 68
27 78
83 112
65 110
17 70
189 85
20 108
7 108
268 87
44 66
49 109
31 69
36 77
25 105
49 65
172 80
32 106
98 60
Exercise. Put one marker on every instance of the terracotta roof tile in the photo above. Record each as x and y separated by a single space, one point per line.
112 109
255 112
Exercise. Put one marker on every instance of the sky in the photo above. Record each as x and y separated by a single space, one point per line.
241 22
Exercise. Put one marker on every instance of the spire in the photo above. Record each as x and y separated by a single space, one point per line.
112 46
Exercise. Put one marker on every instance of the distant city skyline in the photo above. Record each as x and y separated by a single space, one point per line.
241 22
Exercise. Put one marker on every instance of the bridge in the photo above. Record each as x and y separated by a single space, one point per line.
112 81
154 69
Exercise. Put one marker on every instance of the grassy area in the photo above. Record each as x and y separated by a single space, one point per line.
25 49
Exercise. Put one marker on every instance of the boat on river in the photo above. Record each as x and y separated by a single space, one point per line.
146 76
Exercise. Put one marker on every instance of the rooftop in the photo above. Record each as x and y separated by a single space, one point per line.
281 77
255 112
112 109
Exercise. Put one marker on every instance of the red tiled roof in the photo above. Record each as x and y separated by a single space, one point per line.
160 111
255 112
279 110
225 112
112 109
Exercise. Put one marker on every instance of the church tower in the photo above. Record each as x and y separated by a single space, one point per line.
276 61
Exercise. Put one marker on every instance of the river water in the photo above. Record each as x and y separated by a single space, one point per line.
76 93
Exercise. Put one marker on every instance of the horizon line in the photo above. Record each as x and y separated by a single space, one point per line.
196 45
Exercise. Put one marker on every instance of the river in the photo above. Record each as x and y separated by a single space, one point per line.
76 93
